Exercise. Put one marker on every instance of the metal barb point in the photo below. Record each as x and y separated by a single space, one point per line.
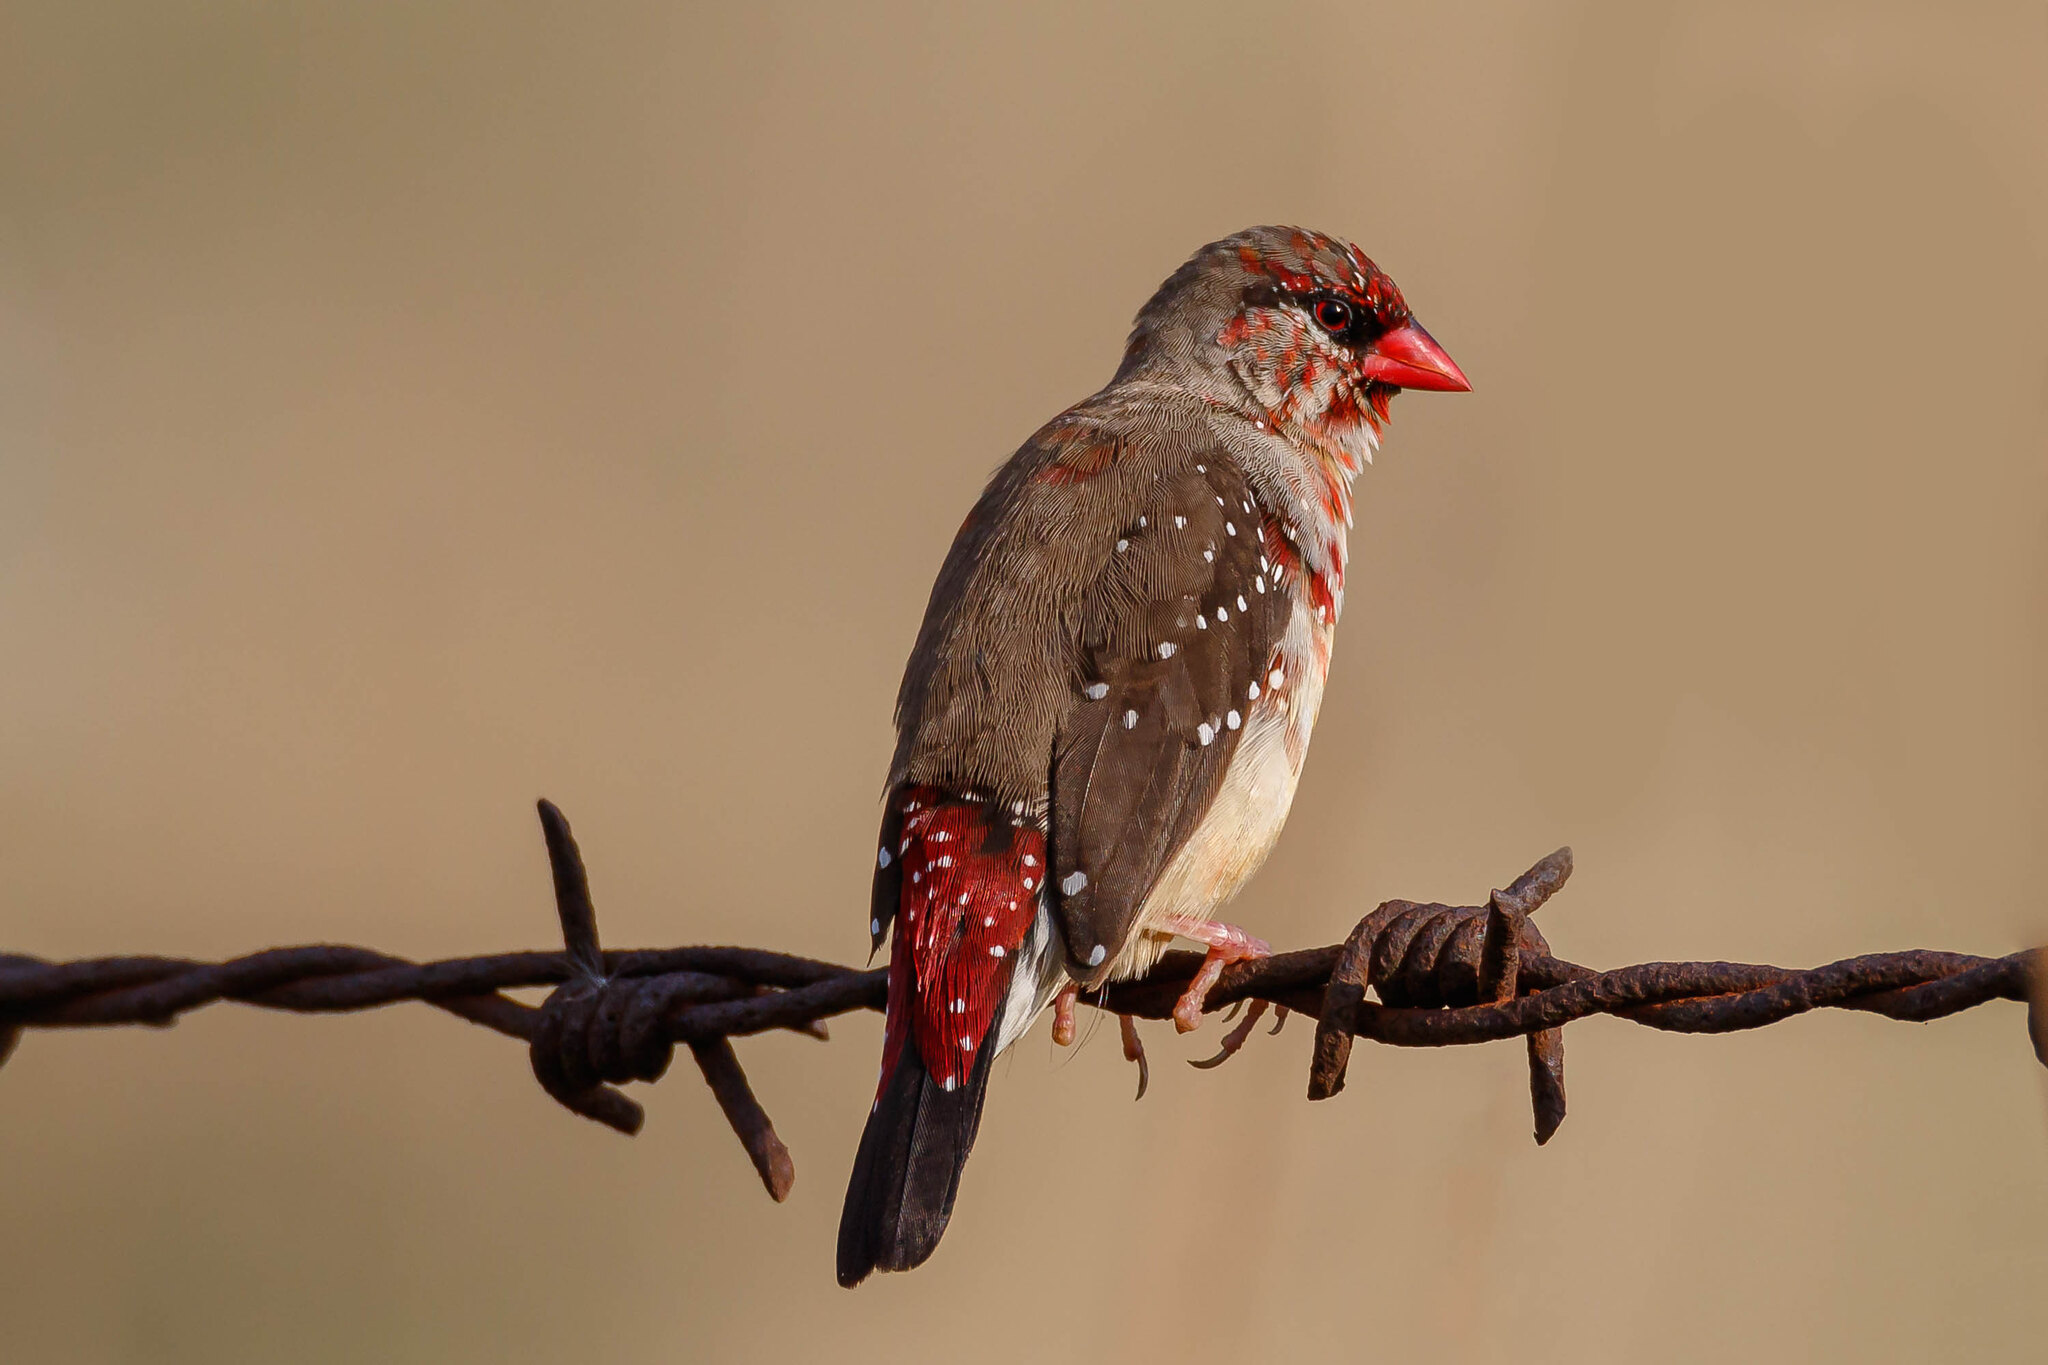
597 1030
572 892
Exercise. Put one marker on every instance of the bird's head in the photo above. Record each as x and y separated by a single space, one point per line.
1301 327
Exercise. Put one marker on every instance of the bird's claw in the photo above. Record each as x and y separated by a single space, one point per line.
1235 1039
1134 1051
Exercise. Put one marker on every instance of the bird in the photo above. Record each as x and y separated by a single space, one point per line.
1106 709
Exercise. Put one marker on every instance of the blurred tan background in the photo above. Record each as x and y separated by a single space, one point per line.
406 411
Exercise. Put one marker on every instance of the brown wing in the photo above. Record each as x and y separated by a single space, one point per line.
1185 618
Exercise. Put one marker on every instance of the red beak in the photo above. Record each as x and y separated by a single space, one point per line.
1409 358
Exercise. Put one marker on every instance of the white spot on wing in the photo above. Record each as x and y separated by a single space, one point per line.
1074 882
1130 720
1095 958
882 858
1233 720
1095 691
1206 733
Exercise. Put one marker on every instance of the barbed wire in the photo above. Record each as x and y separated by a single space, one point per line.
1444 976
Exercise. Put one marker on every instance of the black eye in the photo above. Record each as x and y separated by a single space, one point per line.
1333 316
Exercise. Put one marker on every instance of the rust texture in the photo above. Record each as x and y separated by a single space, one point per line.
1443 976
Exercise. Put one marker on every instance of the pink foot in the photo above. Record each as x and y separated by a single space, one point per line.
1134 1051
1227 944
1063 1014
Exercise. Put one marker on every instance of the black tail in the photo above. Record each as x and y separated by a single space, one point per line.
908 1168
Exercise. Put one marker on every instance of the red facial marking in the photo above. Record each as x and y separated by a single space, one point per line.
970 885
1243 327
1363 285
1343 410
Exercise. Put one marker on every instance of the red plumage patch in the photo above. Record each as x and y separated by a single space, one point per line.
1287 567
971 877
1362 284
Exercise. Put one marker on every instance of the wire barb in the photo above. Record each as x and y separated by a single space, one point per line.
1443 976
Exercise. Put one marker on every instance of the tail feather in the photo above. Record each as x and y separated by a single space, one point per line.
907 1171
959 886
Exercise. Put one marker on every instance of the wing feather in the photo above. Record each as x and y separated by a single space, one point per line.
1186 616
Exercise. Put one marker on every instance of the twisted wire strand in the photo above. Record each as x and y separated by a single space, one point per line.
1444 976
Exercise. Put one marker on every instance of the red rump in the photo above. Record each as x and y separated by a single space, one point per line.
971 878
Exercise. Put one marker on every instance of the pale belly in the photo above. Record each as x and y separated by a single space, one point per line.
1251 805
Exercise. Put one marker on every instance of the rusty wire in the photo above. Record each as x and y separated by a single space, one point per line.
1444 976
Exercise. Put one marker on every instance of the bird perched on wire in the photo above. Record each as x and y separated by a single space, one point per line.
1106 711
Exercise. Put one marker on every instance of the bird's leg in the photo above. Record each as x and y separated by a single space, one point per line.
1226 944
1134 1051
1063 1014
